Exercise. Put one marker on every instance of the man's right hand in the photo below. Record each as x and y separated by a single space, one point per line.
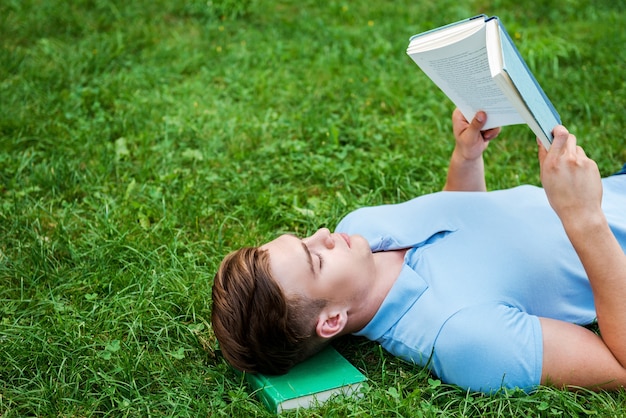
570 178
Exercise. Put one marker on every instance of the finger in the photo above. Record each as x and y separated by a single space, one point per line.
490 134
559 142
457 115
459 123
541 152
458 119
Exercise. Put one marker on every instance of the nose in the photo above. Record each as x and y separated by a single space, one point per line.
322 237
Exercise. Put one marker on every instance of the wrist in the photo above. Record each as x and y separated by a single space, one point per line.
583 224
465 157
465 174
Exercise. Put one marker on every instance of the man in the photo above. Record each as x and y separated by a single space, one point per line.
487 289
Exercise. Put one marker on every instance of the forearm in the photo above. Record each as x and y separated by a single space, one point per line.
605 264
574 189
465 175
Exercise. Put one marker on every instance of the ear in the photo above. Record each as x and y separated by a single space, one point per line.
330 324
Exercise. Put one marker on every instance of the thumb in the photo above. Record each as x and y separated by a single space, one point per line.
561 135
478 122
559 144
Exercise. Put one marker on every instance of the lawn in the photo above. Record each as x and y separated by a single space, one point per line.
141 141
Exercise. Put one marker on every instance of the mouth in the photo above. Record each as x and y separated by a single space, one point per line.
346 238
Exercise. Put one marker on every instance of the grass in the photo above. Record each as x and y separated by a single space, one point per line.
141 141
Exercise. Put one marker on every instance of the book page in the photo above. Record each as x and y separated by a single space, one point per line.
461 71
444 36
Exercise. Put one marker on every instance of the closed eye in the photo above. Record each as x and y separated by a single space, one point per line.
309 258
321 260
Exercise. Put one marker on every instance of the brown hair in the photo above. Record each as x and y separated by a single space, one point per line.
258 328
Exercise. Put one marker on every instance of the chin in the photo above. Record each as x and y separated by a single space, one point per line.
359 241
362 247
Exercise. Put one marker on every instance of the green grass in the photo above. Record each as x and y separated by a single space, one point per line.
141 141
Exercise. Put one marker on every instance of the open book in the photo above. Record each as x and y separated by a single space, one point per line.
313 381
475 63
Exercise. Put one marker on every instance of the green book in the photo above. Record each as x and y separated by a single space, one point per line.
314 380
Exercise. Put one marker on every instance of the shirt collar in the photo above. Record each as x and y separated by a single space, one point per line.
396 303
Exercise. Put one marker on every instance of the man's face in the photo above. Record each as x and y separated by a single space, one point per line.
329 266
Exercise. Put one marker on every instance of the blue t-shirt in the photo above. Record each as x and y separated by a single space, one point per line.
483 266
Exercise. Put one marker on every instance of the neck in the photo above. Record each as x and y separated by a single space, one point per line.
388 265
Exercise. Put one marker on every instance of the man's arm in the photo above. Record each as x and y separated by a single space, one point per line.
573 186
575 357
466 171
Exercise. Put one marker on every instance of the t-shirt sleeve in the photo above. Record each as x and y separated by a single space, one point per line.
485 348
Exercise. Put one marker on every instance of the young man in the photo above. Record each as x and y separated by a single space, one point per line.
486 289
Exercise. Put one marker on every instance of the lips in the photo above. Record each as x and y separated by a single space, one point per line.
346 238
